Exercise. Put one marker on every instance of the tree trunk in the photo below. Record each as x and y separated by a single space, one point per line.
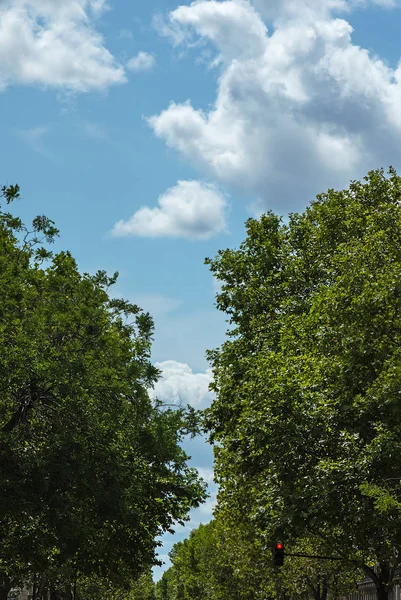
68 593
5 586
382 580
34 587
319 591
325 588
54 593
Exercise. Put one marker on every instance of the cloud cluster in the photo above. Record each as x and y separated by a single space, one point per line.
180 385
55 44
143 61
298 108
191 210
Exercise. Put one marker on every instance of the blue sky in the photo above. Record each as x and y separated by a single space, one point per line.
150 131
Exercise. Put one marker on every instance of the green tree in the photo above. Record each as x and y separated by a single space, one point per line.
192 574
141 589
92 471
224 560
163 588
214 563
314 578
306 418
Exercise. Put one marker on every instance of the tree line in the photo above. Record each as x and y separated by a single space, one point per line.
306 420
223 561
305 423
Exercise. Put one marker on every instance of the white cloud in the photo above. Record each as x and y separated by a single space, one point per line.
141 62
170 30
180 385
191 210
54 44
99 7
297 109
234 26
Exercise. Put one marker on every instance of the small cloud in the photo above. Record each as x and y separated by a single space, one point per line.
33 137
141 62
170 30
178 385
99 7
190 210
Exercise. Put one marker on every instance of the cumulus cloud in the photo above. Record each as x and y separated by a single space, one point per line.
54 44
234 26
298 108
180 385
191 210
141 62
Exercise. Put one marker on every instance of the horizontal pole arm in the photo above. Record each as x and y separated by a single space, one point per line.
315 556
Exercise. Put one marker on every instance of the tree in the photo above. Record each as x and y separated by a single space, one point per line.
224 560
314 578
306 418
91 468
141 589
215 563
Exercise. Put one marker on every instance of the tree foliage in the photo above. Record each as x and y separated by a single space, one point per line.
306 418
226 561
199 570
91 468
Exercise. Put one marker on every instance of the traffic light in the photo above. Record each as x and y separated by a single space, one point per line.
278 554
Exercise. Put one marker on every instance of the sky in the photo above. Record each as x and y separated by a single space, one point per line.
150 131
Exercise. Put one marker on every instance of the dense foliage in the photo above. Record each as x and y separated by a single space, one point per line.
306 422
222 561
91 469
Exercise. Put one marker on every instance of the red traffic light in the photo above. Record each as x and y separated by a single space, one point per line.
278 554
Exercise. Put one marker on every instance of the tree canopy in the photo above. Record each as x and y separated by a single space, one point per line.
92 471
307 410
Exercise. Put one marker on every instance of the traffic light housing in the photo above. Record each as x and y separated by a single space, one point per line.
278 554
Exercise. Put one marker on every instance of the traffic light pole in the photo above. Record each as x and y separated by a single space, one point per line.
314 556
